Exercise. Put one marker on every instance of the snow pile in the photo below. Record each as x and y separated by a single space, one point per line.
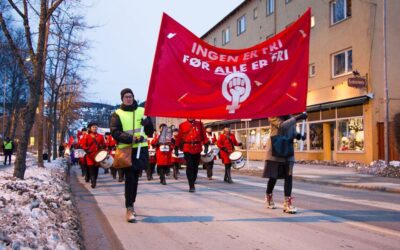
380 168
37 212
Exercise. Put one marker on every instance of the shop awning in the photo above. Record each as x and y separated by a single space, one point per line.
338 104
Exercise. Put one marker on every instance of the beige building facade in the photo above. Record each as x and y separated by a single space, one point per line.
347 37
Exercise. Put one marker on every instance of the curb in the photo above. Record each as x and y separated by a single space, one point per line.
348 185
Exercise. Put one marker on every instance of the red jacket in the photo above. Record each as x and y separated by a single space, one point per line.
82 160
191 137
223 144
111 143
164 158
91 147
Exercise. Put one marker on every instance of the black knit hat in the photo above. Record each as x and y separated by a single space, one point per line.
92 124
124 91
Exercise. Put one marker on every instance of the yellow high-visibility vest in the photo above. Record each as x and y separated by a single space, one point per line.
131 124
8 145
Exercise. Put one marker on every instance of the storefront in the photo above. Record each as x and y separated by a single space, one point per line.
334 131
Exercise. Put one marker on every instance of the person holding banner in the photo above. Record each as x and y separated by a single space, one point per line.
191 137
92 143
127 126
281 167
226 143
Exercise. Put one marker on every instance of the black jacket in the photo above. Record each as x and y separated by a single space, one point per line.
116 126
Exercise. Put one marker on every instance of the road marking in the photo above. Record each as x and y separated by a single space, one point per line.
371 203
360 225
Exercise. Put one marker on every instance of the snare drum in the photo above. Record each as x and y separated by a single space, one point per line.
164 148
79 153
237 160
104 158
208 156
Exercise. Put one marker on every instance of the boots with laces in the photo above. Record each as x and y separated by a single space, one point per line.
130 215
269 201
288 206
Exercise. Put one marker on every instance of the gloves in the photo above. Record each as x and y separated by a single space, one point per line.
205 148
240 144
176 151
144 122
139 139
304 137
299 137
302 116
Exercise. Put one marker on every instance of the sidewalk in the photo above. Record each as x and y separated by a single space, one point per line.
337 176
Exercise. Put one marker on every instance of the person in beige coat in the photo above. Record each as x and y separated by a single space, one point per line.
281 167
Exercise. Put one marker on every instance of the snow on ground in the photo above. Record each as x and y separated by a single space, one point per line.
37 213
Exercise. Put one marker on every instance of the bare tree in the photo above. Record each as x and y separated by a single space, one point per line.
25 10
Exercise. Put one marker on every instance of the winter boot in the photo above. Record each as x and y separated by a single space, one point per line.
229 179
288 206
269 201
226 175
130 215
175 169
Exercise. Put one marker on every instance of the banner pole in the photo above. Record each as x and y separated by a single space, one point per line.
303 127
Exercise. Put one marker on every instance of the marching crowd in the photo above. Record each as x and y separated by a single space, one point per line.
133 146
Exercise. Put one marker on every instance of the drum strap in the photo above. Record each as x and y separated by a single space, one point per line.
95 141
230 141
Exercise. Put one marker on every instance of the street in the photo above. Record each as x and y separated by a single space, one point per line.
233 216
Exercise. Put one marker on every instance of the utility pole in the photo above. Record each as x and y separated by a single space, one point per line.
386 86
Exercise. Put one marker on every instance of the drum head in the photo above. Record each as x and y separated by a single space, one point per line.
100 156
209 151
235 155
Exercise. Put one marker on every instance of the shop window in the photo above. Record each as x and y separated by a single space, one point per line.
254 123
297 143
350 111
264 122
340 10
241 136
342 63
254 139
241 25
316 136
351 134
265 135
313 116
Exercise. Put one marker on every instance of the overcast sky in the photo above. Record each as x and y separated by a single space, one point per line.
125 41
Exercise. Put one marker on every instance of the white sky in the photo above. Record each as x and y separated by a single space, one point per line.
124 44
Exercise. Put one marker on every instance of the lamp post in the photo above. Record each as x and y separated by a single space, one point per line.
247 121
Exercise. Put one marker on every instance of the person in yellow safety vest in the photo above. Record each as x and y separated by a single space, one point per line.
8 147
126 127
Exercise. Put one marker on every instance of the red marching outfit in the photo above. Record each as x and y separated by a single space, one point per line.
111 144
164 156
190 139
226 145
92 143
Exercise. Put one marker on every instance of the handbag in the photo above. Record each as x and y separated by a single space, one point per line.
282 146
123 157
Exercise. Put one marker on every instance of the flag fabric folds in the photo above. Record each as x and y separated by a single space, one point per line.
192 79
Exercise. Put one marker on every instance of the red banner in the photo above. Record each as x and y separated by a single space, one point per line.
191 78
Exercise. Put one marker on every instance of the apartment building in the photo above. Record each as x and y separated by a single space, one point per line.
347 96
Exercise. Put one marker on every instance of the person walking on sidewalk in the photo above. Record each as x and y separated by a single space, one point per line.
226 143
281 167
92 144
8 147
125 126
191 137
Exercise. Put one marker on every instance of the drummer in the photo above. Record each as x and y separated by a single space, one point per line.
152 160
164 153
176 160
92 144
226 143
209 165
82 160
110 146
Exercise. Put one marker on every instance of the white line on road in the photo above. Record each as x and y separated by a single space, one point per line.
360 225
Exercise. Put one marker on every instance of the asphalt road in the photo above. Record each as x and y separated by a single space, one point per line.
233 216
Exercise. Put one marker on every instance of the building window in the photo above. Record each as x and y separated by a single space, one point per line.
351 134
288 1
215 41
226 36
312 21
342 63
255 13
265 136
270 7
241 25
311 70
316 136
254 139
340 10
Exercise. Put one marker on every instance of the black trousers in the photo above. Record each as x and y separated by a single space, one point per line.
93 173
209 166
287 186
192 167
131 185
7 154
